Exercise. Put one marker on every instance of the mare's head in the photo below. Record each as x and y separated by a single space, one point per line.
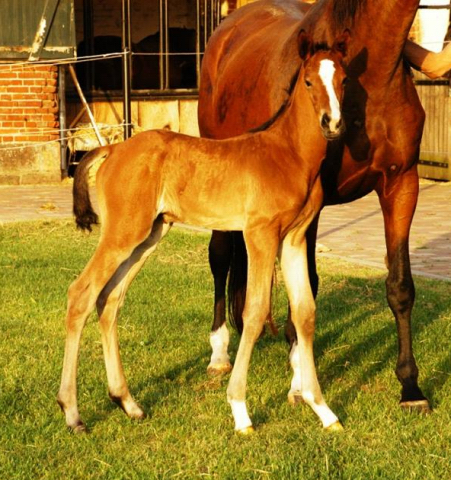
324 77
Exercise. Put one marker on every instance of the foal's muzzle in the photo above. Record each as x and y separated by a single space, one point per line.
332 129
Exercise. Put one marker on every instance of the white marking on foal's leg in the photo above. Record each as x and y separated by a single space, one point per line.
219 341
326 73
240 415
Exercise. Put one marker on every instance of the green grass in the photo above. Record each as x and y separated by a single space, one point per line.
188 434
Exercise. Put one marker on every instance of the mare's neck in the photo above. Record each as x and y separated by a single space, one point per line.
379 31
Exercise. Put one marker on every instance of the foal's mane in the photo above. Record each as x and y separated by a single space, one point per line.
320 46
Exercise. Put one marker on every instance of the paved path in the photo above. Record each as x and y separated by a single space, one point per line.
353 232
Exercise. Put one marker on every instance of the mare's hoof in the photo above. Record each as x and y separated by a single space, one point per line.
335 427
295 398
246 431
417 406
219 369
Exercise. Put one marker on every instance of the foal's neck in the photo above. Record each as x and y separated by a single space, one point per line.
298 125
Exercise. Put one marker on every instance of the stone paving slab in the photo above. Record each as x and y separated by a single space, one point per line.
353 232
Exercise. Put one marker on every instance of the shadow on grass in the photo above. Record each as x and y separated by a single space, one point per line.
356 363
371 349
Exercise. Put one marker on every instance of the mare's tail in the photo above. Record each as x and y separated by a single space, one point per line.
83 210
237 281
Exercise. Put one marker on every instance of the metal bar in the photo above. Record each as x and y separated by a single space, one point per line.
198 59
86 105
62 119
126 68
164 45
43 29
435 7
88 38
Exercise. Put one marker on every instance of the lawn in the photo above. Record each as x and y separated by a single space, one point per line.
188 434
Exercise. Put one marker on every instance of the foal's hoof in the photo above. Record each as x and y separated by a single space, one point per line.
219 369
78 429
138 416
295 398
417 406
246 431
335 427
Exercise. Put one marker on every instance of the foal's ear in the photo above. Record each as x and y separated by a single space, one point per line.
341 43
305 44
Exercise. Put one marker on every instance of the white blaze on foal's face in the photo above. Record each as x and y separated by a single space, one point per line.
327 72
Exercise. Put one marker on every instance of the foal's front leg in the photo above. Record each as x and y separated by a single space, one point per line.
262 251
305 383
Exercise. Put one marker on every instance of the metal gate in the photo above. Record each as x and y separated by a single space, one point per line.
435 96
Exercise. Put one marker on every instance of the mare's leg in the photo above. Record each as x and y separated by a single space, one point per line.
262 249
108 304
220 254
111 253
398 201
305 383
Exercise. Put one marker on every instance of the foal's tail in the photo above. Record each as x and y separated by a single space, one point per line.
83 210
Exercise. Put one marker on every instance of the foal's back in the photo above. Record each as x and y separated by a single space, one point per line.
191 179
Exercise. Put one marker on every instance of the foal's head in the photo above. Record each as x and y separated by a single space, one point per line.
324 77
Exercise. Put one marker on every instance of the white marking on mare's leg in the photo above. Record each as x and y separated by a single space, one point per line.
219 341
240 415
326 73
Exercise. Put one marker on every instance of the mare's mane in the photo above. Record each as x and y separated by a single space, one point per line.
345 10
320 46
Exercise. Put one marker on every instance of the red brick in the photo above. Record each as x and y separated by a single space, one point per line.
29 103
17 89
36 89
8 74
49 89
10 81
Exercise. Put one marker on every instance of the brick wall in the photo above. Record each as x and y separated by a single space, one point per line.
28 103
29 128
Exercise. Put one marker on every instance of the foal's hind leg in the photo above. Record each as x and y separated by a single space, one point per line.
116 245
82 296
108 305
295 272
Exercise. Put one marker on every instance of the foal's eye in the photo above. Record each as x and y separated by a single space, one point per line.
345 81
308 83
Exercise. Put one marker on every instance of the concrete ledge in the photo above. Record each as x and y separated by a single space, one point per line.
30 164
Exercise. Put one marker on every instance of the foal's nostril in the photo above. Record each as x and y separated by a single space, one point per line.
325 120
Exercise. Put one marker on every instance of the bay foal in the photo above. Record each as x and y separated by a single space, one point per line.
159 177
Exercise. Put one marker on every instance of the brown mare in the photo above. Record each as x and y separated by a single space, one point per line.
159 177
246 71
